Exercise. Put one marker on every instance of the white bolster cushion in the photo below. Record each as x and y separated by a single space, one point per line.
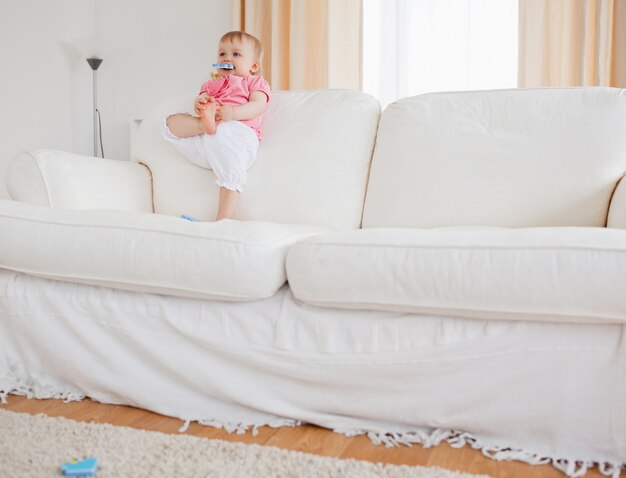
617 209
542 274
225 260
70 181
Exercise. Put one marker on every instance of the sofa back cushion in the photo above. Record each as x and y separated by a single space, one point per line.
311 168
516 158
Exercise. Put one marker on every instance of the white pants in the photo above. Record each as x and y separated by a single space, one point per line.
229 152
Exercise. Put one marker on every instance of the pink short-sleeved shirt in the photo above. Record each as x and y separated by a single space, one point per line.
236 90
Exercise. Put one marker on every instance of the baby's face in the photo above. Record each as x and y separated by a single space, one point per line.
239 54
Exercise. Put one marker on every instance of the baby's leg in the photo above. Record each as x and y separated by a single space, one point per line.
229 152
184 125
228 203
207 116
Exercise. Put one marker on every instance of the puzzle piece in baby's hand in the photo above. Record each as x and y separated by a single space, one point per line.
226 66
80 468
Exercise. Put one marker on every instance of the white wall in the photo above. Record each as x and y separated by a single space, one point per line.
158 49
40 78
151 50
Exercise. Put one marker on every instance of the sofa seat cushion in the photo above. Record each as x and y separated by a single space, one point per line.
225 260
542 274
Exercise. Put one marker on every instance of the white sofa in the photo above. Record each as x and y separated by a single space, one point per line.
456 271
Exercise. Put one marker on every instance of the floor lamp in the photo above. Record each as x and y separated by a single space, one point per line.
94 63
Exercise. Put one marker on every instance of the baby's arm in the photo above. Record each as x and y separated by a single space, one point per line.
249 110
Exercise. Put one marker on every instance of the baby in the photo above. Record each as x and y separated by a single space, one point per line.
225 135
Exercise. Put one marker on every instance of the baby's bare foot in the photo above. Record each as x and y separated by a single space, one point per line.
207 117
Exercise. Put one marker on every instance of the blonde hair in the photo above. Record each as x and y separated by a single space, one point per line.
244 37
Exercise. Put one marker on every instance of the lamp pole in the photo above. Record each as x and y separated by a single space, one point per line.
94 63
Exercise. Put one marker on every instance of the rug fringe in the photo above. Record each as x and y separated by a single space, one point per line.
242 428
230 427
29 391
571 467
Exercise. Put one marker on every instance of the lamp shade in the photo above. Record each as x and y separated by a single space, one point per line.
94 63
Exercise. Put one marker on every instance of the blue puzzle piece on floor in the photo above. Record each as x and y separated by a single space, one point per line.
188 218
80 468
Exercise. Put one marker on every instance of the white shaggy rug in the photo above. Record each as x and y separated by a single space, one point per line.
36 446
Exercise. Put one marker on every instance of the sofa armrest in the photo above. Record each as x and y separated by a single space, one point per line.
69 181
617 208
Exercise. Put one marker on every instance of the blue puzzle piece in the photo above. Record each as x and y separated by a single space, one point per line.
226 66
80 468
188 218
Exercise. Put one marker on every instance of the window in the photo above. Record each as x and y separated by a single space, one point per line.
418 46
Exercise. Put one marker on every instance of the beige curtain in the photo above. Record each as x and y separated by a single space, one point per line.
572 43
308 44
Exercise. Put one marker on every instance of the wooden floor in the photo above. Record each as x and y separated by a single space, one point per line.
307 438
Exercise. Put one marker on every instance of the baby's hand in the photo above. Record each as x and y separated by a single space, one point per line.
224 112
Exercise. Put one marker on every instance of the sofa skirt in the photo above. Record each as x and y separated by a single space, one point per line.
535 391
